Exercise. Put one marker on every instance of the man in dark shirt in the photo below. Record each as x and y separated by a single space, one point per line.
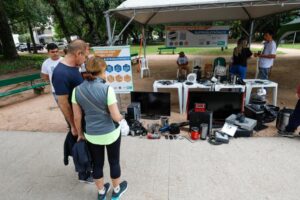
294 121
65 78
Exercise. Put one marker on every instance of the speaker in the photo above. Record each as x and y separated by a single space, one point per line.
197 118
134 111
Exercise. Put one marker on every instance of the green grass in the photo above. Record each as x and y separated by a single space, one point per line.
153 49
24 62
290 46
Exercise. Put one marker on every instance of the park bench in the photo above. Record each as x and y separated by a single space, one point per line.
34 82
160 49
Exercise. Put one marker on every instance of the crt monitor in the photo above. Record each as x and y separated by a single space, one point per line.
153 103
222 104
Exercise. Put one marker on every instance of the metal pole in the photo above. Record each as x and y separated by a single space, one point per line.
294 37
251 32
108 28
144 41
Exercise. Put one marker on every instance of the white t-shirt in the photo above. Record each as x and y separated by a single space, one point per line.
269 48
48 67
182 60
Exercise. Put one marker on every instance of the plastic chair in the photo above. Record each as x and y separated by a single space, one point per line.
219 68
144 66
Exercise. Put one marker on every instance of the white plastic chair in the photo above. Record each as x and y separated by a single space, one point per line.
144 67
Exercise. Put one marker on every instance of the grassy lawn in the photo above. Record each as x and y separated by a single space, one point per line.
24 62
290 46
153 49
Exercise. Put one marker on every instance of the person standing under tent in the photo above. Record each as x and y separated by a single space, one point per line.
241 54
266 58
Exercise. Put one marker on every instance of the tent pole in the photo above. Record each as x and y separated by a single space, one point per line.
251 32
144 41
108 28
295 37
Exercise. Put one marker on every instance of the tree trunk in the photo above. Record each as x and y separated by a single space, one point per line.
9 49
31 37
60 17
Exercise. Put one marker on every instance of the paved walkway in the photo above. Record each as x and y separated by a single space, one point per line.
248 168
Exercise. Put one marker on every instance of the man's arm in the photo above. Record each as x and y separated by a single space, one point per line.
45 76
66 109
267 56
77 120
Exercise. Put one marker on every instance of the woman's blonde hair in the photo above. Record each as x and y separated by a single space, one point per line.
95 66
241 44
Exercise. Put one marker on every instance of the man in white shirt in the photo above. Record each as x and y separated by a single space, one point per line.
266 58
49 65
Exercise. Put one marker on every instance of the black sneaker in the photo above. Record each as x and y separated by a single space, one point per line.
123 188
103 196
85 177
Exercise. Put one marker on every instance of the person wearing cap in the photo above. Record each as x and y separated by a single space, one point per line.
182 62
294 120
104 125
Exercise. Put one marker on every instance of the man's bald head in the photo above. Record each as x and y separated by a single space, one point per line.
77 45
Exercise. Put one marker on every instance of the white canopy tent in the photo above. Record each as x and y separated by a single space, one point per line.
175 11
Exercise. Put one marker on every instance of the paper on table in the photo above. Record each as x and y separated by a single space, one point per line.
229 129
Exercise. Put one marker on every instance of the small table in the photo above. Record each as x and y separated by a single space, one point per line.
194 86
221 86
258 83
174 85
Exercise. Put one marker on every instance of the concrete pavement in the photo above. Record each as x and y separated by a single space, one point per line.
31 165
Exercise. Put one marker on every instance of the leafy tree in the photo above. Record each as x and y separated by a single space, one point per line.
9 50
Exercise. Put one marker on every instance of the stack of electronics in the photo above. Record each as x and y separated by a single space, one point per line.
245 125
260 111
215 108
151 105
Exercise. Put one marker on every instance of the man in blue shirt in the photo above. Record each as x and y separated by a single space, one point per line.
65 78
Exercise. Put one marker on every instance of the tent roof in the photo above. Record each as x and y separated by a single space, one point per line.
174 11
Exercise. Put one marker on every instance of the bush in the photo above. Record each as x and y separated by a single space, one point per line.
24 62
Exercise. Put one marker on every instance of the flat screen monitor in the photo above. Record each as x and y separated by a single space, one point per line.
222 104
153 104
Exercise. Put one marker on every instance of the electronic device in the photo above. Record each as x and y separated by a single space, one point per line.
200 107
243 133
221 137
134 111
153 104
247 124
222 104
198 118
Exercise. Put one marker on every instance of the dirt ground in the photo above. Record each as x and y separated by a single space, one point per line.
30 112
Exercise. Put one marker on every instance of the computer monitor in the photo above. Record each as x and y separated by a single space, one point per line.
222 104
153 104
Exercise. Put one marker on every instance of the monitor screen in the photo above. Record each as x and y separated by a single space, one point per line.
222 104
153 103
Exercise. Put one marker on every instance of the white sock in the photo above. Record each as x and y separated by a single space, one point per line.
102 191
117 189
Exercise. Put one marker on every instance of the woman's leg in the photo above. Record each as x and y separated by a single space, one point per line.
97 153
113 154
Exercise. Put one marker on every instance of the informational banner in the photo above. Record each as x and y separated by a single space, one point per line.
119 70
197 36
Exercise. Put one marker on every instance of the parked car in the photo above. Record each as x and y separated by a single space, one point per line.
23 47
61 45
